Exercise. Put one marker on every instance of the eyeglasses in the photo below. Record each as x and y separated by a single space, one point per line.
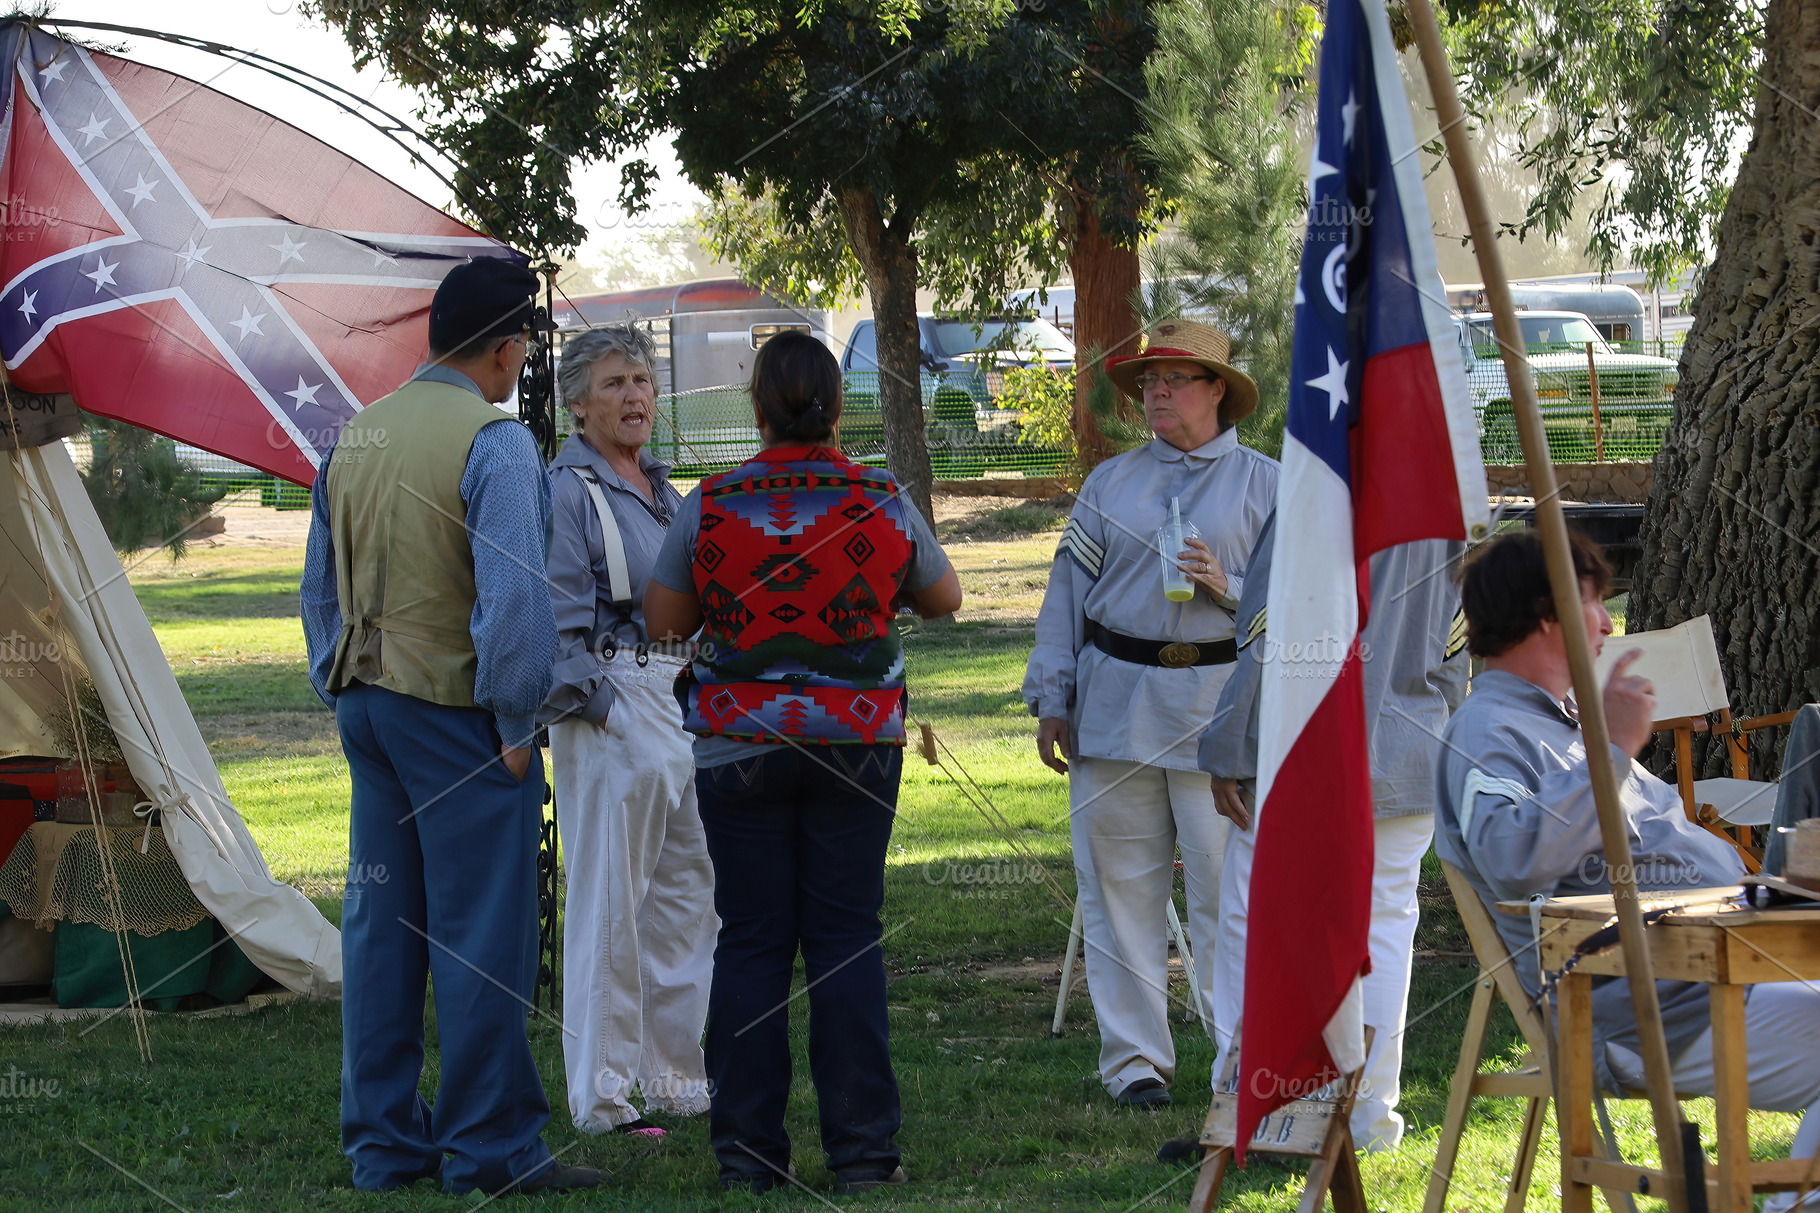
1173 381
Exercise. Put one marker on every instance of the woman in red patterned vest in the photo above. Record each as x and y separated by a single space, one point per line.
792 567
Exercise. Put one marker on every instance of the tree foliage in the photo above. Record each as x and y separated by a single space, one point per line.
145 495
844 142
1641 104
1229 81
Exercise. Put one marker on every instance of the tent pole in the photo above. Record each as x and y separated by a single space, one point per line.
1566 589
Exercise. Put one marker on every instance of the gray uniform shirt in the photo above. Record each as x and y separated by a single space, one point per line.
585 615
1414 654
1107 569
1514 812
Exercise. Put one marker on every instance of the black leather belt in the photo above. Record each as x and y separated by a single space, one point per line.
1172 654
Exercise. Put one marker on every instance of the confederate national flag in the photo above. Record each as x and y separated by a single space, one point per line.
179 260
1380 448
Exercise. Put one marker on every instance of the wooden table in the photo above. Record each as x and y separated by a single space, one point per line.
1712 940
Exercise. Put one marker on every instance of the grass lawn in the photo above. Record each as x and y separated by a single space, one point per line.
241 1112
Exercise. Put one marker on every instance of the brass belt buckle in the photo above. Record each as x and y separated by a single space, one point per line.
1179 654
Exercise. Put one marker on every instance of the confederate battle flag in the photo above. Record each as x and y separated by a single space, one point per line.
181 261
1380 448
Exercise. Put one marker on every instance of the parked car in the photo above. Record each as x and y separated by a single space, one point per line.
962 371
1636 391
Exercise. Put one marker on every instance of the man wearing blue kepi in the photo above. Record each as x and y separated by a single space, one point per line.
430 633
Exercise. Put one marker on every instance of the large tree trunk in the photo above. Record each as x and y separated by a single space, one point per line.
1105 324
1733 525
889 260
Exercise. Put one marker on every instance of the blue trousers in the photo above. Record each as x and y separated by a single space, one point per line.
442 883
798 839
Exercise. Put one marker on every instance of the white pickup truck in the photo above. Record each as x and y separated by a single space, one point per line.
1636 391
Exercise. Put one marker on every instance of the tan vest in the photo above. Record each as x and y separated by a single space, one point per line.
404 571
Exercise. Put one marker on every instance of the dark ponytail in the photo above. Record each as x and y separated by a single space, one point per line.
796 385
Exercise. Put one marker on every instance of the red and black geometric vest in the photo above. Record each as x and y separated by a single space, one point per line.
800 555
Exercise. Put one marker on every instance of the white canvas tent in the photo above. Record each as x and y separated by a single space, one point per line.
61 585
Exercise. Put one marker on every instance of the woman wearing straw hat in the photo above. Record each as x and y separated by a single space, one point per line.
1124 680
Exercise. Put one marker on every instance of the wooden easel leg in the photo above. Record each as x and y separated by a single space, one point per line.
1574 1081
1207 1185
1459 1096
1348 1184
1525 1165
1731 1097
1069 958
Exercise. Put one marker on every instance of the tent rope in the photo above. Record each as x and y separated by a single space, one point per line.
937 754
129 973
85 763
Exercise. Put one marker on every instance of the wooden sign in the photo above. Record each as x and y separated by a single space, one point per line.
1315 1126
28 420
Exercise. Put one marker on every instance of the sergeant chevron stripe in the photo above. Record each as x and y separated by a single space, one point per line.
1456 635
1256 627
1078 544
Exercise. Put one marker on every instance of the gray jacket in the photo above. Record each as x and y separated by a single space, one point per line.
1515 814
585 615
1415 673
1798 791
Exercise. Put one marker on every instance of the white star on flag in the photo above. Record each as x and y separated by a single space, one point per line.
191 254
305 393
248 323
142 190
96 128
1349 113
1333 383
54 71
103 273
28 305
1318 170
289 250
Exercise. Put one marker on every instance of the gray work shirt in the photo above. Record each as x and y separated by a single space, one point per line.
585 614
1107 568
1414 656
1514 812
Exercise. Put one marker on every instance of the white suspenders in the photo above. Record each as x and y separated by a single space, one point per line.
619 578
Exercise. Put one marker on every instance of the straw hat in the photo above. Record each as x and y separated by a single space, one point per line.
1188 341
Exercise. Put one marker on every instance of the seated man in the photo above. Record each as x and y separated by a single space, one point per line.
1515 814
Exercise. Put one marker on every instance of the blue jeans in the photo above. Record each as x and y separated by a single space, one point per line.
798 838
442 883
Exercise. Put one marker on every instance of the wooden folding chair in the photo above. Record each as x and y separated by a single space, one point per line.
1497 982
1532 1081
1682 663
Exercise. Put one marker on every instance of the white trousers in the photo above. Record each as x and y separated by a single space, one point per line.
1127 820
1399 844
1782 1067
639 923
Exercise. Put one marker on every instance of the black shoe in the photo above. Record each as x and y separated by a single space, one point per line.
1183 1152
755 1182
850 1181
1146 1093
557 1178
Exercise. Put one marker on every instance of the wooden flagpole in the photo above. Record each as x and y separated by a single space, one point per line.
1566 589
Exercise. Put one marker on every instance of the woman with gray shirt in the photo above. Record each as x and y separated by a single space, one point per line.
639 923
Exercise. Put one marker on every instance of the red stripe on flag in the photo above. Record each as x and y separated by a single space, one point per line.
1310 904
1404 484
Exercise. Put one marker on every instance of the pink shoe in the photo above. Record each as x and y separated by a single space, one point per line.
641 1128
